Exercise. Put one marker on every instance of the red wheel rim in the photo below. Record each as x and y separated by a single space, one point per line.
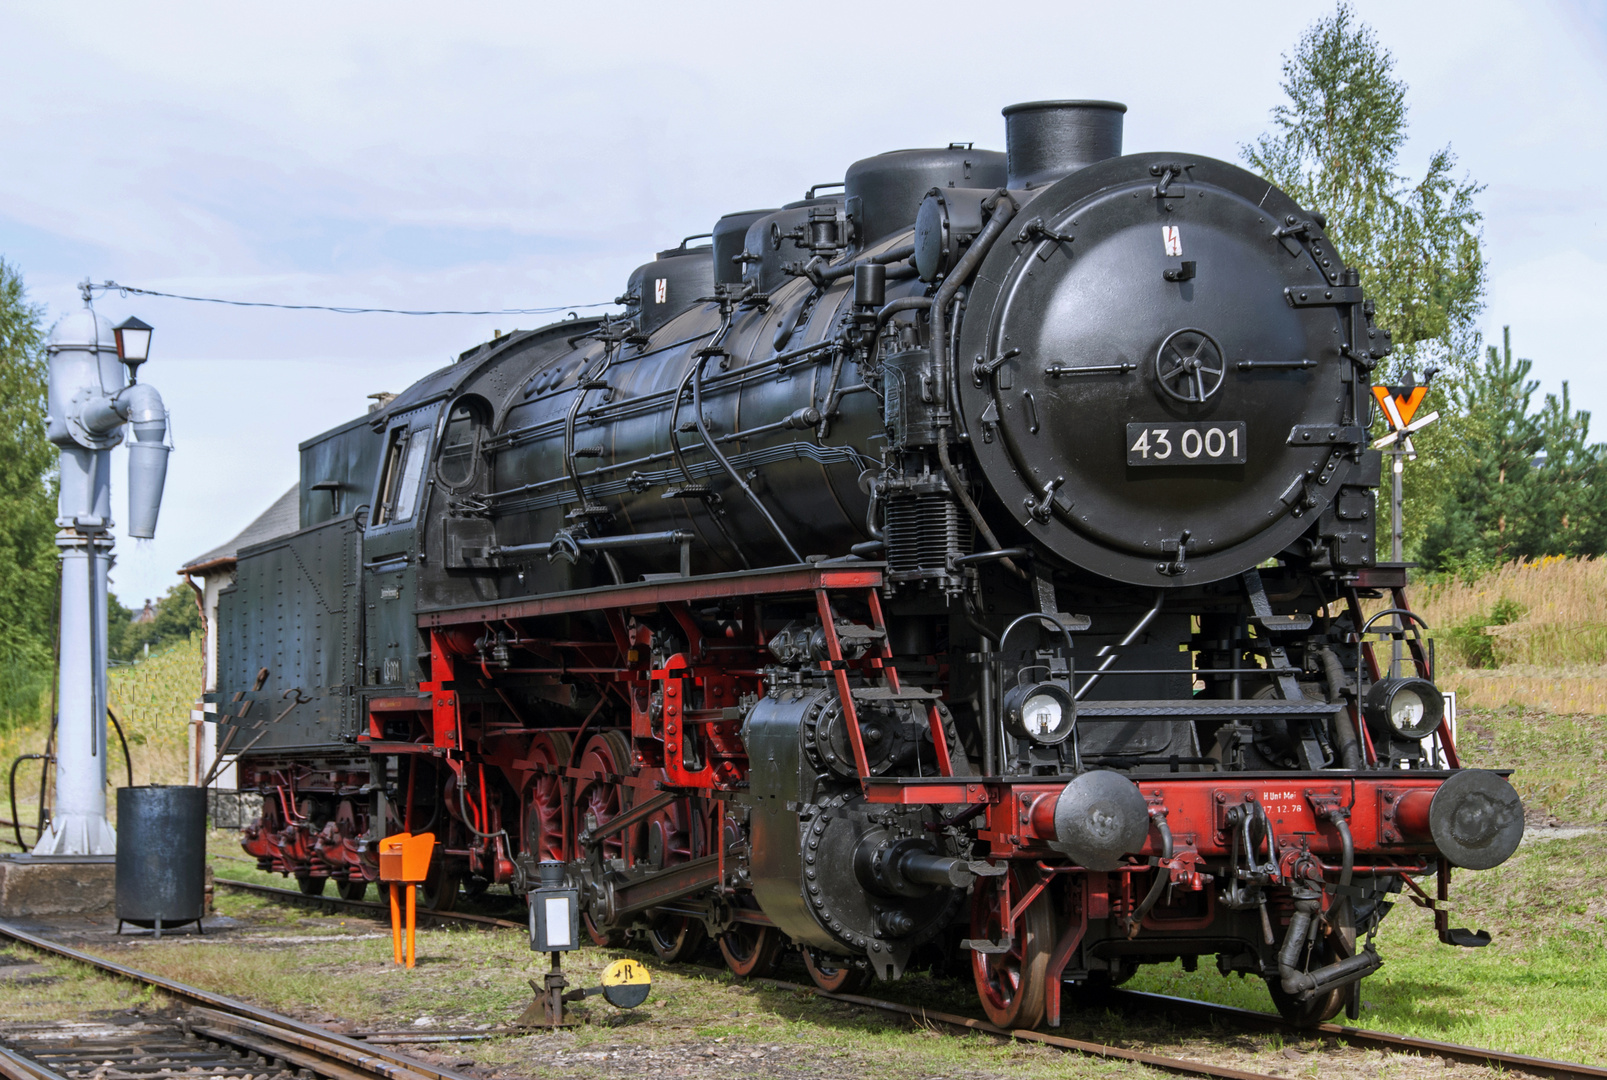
544 800
604 754
609 754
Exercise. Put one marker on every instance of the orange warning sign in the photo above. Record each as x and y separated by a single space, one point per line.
1405 402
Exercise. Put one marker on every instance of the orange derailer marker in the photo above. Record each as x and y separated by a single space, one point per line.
404 861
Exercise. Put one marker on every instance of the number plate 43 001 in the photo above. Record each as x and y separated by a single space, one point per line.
1221 443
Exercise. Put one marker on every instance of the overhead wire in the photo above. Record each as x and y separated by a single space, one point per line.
131 290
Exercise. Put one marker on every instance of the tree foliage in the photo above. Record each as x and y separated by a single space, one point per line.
177 617
27 504
1512 480
1335 147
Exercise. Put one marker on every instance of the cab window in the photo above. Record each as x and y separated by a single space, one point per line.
404 468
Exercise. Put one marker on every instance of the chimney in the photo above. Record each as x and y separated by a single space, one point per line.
1045 140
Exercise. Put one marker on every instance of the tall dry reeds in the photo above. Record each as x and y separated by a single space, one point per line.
1562 604
1531 634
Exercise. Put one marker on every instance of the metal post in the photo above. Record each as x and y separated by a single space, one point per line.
1398 461
1400 405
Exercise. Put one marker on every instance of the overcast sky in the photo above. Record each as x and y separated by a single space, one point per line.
488 156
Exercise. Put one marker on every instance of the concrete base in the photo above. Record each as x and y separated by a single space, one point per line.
57 885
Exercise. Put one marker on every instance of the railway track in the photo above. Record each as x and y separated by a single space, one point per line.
334 903
218 1035
1134 1001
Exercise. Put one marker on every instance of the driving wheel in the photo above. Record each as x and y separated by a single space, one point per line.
676 937
749 950
543 833
600 799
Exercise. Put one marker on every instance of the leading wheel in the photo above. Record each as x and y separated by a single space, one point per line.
1322 1007
751 951
846 979
311 886
1013 985
352 888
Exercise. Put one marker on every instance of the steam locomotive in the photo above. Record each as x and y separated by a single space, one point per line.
973 567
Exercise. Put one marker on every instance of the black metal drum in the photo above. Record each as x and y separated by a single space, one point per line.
161 856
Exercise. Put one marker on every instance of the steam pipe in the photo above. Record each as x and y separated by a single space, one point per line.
602 543
1307 985
958 487
714 448
1344 731
903 303
1294 941
968 262
1111 655
939 305
1347 865
836 273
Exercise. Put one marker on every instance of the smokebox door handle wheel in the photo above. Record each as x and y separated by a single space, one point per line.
1189 365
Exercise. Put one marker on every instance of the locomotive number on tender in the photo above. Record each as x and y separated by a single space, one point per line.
1186 444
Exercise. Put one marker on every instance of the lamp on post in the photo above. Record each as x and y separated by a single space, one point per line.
133 344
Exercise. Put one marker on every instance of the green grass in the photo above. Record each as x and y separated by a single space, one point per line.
62 989
1559 763
152 699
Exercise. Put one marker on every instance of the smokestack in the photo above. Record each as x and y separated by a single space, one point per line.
1045 140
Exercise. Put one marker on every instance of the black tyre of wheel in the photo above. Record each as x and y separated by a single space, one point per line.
440 889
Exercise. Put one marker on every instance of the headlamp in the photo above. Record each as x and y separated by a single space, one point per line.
1042 713
1410 708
